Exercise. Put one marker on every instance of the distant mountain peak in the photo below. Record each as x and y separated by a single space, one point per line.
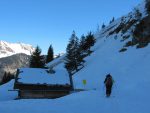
8 49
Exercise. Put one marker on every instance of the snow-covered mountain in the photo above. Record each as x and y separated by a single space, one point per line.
8 49
11 63
122 49
13 56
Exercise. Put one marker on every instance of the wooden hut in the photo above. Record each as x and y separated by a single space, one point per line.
38 83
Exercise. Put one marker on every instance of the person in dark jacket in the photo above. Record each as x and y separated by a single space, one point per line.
108 83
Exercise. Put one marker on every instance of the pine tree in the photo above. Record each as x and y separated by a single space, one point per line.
113 19
4 79
90 39
83 46
89 42
148 6
138 14
73 60
103 26
50 54
81 52
37 60
7 77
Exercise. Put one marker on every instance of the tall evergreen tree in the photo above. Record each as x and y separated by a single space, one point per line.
73 59
89 42
81 52
83 46
37 60
90 39
50 54
70 61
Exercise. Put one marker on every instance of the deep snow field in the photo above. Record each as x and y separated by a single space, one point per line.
130 71
130 94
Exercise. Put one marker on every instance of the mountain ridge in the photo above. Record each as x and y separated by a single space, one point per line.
8 49
11 63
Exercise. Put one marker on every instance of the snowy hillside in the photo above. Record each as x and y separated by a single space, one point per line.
130 71
11 63
107 57
8 49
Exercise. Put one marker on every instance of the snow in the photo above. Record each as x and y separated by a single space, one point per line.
68 104
6 95
130 93
8 49
36 75
82 102
56 61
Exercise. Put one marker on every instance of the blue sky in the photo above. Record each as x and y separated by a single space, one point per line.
45 22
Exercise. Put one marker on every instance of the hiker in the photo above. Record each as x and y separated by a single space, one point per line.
108 83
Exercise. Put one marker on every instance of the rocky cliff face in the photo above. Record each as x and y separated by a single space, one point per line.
132 29
11 63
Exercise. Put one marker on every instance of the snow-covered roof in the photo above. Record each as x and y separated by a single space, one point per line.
41 76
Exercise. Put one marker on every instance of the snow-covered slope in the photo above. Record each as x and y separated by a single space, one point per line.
107 58
8 49
130 70
11 63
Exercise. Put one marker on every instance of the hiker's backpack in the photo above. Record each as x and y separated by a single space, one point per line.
109 81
